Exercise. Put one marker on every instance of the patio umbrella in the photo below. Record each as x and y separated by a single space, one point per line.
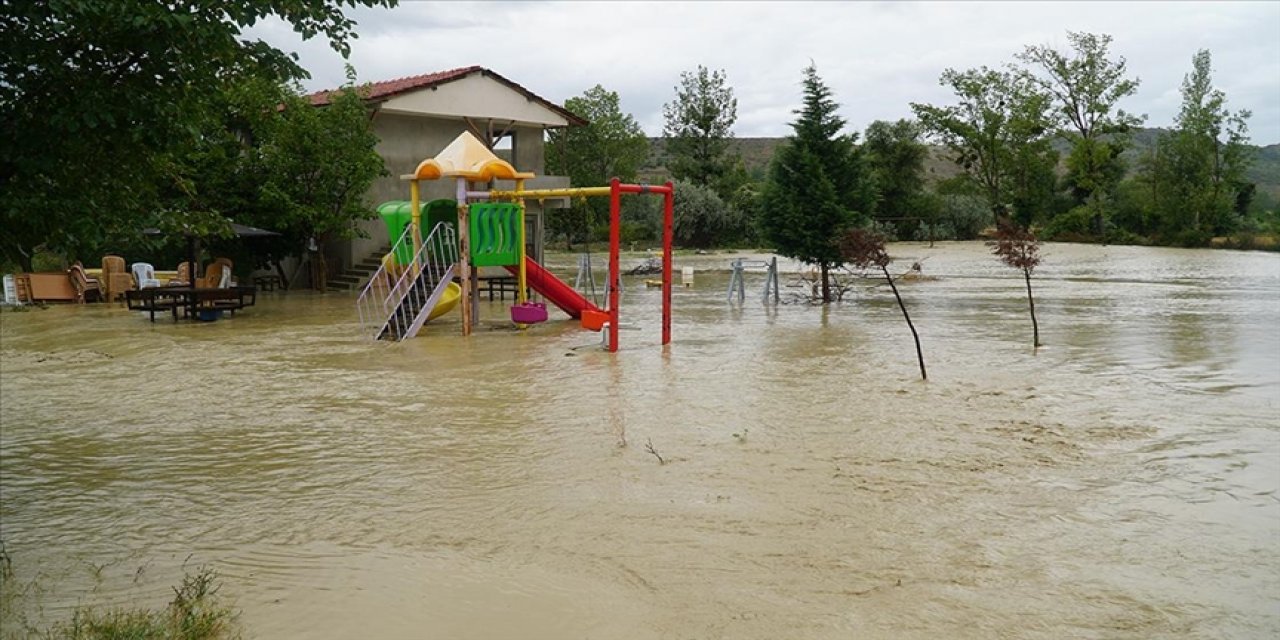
237 229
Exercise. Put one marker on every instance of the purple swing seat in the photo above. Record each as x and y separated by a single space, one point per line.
528 313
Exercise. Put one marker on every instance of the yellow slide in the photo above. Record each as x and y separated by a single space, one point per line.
448 300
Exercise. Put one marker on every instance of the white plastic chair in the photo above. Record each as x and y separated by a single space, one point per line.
145 274
225 281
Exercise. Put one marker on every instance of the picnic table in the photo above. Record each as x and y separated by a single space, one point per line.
192 299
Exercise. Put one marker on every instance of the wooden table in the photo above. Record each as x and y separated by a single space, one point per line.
193 299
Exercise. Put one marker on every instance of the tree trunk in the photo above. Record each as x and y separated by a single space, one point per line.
319 270
284 280
919 353
1035 328
826 286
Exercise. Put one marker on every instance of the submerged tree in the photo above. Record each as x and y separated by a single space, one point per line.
818 186
1197 171
896 158
865 248
317 164
998 133
611 145
1086 84
1019 248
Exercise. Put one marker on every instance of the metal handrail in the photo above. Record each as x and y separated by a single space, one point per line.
395 302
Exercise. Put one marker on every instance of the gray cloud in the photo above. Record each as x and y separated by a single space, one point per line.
877 57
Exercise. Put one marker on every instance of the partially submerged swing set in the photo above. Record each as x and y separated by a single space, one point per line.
415 282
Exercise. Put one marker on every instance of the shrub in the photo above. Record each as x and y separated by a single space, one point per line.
965 215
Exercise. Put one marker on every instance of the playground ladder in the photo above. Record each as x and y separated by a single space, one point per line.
396 302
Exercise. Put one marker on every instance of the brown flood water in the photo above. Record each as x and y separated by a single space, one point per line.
1120 483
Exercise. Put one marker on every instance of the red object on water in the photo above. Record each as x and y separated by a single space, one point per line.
555 290
528 313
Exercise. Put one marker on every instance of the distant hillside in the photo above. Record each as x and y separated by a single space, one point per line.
758 152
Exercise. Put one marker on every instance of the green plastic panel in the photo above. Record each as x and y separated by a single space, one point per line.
495 234
397 214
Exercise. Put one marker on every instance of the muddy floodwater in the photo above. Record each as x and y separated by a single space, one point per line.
1121 482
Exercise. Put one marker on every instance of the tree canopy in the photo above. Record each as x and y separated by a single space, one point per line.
818 184
999 135
98 100
896 157
699 124
1197 171
1086 87
611 145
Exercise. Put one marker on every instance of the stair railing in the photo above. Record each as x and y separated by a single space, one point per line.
390 303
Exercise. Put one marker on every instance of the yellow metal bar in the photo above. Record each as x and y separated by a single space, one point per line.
464 257
572 192
414 198
522 280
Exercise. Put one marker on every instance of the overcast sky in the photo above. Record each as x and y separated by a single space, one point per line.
877 57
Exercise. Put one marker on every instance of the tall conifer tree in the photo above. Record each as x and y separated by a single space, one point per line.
819 185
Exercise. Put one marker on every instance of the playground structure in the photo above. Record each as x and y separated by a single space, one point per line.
486 228
737 278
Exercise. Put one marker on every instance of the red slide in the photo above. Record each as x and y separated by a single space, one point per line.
554 289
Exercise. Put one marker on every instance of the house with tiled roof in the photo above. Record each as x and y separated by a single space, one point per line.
416 117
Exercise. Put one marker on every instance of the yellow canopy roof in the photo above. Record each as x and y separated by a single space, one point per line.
467 157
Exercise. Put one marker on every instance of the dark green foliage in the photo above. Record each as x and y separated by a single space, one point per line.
819 185
702 219
611 145
1196 173
1086 86
896 155
699 125
315 166
999 134
100 99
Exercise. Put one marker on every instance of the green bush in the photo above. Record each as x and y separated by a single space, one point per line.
1075 225
940 231
702 219
965 216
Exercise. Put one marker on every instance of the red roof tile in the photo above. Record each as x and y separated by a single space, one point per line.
380 91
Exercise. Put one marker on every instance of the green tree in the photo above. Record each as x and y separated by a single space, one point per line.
819 185
1086 86
999 135
98 97
1197 171
701 218
316 165
611 145
699 125
896 157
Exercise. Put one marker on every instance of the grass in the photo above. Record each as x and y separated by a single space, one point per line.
194 613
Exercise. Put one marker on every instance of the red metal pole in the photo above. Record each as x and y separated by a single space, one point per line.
668 218
615 246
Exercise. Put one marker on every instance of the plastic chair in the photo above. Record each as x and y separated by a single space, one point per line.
145 274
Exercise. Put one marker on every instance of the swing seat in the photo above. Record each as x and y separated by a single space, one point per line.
528 313
594 320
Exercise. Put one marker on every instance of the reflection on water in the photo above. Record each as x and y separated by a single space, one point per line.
1121 482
